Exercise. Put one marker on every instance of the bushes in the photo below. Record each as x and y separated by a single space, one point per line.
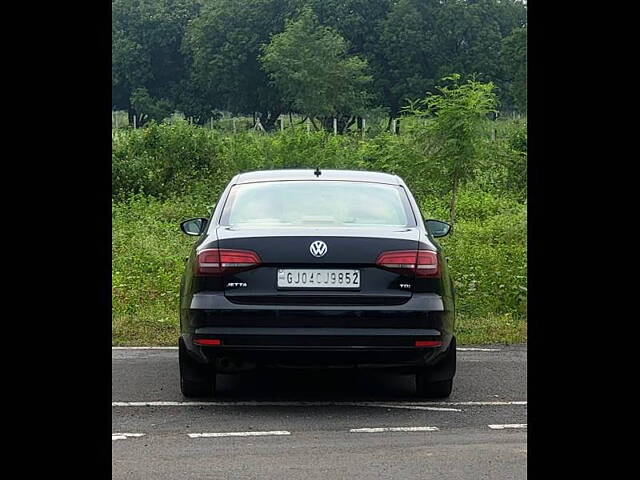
170 158
504 169
165 159
487 253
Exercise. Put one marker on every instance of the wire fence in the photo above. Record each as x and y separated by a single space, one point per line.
242 124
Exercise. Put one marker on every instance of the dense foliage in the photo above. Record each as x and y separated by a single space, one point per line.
146 39
320 79
452 138
200 57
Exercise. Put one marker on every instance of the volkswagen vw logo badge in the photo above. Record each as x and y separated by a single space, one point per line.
318 248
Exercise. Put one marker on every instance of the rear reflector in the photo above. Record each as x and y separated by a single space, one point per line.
207 341
421 263
216 261
428 343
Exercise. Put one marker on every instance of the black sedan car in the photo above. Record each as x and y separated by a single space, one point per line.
309 269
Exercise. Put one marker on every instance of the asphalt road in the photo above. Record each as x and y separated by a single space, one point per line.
298 424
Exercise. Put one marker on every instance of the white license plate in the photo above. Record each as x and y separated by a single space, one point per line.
321 278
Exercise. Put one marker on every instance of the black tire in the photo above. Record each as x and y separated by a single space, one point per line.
196 380
426 389
437 381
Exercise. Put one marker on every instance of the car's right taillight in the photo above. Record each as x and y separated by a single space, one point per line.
216 261
421 263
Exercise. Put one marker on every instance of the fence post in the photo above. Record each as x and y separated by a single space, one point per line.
364 127
335 126
135 123
234 124
393 126
281 124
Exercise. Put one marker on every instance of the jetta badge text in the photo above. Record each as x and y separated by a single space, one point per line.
318 248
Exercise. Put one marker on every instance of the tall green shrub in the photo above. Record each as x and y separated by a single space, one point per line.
454 136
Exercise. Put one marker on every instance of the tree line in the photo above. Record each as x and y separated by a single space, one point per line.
322 59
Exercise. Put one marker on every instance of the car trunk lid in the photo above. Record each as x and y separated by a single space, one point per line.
348 249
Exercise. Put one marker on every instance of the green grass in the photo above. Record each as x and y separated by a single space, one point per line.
492 328
155 325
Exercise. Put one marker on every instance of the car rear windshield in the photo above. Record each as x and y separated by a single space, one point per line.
317 203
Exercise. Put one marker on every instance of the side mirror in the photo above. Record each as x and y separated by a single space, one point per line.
194 226
437 228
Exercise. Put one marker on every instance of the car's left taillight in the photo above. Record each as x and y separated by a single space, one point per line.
216 261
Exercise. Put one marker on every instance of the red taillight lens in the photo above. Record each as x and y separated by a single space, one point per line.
428 343
215 261
428 265
422 263
207 342
209 262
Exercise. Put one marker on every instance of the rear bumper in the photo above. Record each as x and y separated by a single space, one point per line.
328 335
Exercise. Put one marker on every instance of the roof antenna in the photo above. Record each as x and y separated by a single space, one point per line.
317 173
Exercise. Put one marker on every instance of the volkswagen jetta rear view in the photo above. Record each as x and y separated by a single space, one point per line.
315 269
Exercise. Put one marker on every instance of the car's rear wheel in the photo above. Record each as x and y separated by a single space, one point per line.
196 380
437 381
428 389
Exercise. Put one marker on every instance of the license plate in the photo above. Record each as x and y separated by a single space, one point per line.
322 278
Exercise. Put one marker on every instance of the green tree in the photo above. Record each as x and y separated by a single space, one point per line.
146 48
149 109
410 56
454 133
514 55
359 22
424 40
224 44
309 65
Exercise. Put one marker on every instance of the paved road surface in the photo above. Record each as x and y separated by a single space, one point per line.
333 424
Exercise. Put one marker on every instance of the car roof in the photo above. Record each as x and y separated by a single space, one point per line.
309 174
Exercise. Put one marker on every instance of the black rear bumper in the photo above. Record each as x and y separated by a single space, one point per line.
327 335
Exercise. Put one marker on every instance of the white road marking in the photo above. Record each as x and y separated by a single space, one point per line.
124 436
459 349
394 429
238 434
519 402
284 404
508 425
408 405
